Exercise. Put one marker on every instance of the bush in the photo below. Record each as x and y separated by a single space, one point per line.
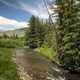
10 43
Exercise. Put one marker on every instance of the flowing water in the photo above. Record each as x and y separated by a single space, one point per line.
37 66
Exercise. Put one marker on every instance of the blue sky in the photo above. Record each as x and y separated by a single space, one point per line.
18 12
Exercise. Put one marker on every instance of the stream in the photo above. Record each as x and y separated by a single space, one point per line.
36 66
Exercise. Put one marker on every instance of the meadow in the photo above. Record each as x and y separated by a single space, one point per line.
11 43
8 69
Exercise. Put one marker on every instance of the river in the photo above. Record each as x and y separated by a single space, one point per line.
36 66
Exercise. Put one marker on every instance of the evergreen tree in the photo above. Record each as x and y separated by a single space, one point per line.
32 41
36 33
49 35
69 34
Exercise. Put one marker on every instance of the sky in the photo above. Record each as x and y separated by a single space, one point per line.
16 13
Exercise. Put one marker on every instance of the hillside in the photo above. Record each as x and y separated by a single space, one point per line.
19 32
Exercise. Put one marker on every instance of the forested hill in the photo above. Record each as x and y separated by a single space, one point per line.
19 32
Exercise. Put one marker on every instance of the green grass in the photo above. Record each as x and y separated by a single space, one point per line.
49 53
8 69
11 43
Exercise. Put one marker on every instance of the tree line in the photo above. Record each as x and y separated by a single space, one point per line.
6 36
40 33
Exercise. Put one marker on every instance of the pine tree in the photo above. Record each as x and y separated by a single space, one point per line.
49 35
69 34
32 41
36 33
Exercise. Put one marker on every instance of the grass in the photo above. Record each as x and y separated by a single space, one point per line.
11 43
8 69
49 53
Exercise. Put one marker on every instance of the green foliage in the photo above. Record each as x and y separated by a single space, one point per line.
32 36
48 48
41 36
69 34
49 53
36 33
8 69
49 39
11 43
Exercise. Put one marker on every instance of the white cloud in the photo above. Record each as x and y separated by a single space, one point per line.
9 4
11 24
7 21
38 10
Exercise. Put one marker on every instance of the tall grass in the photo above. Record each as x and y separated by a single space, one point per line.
8 70
11 43
49 53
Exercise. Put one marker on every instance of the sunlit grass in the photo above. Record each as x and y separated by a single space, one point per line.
49 53
11 43
8 69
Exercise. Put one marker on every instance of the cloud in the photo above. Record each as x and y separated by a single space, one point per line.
5 21
8 24
9 4
37 10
